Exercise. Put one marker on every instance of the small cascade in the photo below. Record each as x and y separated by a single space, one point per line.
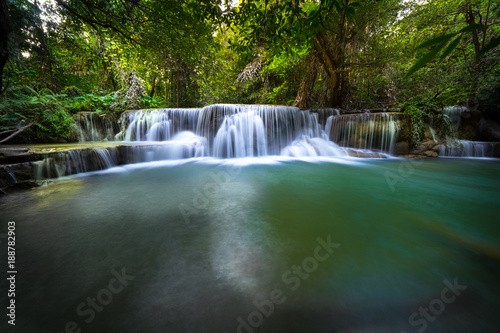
455 146
376 131
160 124
466 148
454 113
183 145
306 146
278 123
241 135
91 127
74 161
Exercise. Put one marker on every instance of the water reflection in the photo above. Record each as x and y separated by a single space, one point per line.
210 245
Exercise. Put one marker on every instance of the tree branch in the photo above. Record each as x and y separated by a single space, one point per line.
16 132
93 22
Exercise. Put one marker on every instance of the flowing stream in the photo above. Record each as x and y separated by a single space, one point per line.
229 131
270 244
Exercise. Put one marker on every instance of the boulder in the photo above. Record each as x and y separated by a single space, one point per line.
430 153
402 148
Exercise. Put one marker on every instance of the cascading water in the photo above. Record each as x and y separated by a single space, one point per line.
364 131
235 130
241 135
454 113
220 131
160 124
93 127
182 145
75 161
466 148
456 147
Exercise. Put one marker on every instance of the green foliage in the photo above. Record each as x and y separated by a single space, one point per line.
480 27
92 102
439 43
364 53
153 102
418 117
55 124
45 109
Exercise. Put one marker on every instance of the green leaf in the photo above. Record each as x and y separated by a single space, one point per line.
437 40
337 7
451 47
491 45
425 59
472 27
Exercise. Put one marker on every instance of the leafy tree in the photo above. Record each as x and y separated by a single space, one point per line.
326 33
466 38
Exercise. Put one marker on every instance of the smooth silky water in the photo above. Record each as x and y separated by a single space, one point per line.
204 245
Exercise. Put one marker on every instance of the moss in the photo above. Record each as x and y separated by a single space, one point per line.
417 122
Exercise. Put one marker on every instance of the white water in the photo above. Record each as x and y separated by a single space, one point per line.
364 131
466 148
454 113
223 131
241 135
181 146
92 127
313 147
235 131
158 125
75 161
455 147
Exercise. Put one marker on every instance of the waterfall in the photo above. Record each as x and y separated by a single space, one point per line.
455 147
454 113
182 145
75 161
93 127
159 124
235 130
241 135
466 148
277 122
229 130
364 131
313 147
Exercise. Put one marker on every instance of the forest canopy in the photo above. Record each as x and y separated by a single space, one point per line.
59 57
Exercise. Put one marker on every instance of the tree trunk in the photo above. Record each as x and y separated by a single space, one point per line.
332 67
470 18
6 28
333 58
303 99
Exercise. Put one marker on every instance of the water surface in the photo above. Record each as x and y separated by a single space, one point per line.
208 245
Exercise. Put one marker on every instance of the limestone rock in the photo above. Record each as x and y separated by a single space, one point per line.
430 153
132 95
